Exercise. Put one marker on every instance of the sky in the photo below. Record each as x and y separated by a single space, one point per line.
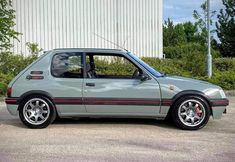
182 10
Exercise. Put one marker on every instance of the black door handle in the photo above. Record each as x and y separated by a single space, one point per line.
90 84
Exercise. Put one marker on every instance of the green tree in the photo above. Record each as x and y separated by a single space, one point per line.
201 21
34 49
7 16
191 32
173 34
226 29
11 63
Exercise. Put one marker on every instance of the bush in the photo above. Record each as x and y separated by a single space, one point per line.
192 56
103 67
180 51
224 64
223 69
4 80
224 79
176 52
10 66
195 63
167 66
3 88
12 63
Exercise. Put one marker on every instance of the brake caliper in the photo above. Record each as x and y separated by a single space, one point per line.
198 111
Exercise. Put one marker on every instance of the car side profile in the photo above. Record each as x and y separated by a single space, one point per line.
108 83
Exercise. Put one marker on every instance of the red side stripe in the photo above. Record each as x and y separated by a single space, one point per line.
120 101
10 100
64 100
164 102
220 102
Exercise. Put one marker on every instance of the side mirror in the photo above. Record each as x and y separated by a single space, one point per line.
144 77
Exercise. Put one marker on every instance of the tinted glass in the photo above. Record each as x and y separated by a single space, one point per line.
67 65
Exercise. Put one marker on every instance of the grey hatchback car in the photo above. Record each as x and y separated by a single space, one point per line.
108 83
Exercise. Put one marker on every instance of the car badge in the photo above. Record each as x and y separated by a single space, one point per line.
171 87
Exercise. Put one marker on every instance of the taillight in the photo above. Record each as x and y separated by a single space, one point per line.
9 91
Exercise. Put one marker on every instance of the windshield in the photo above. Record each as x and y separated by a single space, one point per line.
145 65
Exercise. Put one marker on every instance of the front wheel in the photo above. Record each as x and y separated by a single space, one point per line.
191 113
37 112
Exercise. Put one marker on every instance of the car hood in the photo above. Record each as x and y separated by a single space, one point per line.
176 84
188 80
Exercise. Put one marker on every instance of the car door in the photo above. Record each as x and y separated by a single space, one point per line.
114 87
66 84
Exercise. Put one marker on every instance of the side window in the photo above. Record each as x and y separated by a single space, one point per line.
110 66
67 65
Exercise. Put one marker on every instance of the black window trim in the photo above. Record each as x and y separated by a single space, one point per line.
82 61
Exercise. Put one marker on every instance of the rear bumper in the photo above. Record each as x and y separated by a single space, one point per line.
12 100
12 105
12 109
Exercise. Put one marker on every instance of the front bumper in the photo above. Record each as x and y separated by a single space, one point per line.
218 107
218 111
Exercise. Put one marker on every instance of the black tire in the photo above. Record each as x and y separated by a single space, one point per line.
178 119
50 117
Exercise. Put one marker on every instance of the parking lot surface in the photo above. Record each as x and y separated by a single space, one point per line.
117 140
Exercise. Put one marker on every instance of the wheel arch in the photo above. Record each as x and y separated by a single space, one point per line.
189 93
36 92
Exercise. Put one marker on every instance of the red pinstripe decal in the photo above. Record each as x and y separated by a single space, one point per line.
10 100
164 102
132 101
64 100
220 102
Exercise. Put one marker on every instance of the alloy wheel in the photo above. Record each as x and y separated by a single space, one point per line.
191 112
36 111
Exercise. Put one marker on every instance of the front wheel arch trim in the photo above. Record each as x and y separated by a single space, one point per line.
188 93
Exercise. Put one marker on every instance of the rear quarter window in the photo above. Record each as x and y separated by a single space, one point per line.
67 65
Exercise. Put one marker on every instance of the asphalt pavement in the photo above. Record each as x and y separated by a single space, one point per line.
117 140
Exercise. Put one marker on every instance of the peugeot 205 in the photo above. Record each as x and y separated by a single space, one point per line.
108 83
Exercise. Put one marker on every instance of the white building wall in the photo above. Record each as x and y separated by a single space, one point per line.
134 24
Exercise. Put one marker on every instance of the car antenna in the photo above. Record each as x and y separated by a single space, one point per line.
111 42
125 41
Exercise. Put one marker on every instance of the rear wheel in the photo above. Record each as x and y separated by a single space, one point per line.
191 113
37 112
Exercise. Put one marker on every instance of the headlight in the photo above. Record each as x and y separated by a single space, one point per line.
222 94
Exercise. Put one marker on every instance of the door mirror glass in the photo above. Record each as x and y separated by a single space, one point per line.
144 77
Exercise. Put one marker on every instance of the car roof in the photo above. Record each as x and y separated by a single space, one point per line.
90 50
